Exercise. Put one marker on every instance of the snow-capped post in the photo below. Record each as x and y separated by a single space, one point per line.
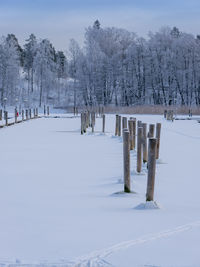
104 121
126 153
48 110
158 130
151 169
15 115
144 126
130 127
44 110
22 115
139 149
6 118
119 125
124 123
151 130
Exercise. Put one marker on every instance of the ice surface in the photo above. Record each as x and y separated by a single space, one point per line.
56 197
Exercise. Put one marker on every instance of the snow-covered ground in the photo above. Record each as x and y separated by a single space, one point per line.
58 205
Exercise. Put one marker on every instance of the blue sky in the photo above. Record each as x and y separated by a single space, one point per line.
60 20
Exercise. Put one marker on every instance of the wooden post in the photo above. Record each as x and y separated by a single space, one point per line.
82 127
1 113
130 127
22 115
6 118
145 155
151 130
15 115
30 113
151 169
139 149
44 110
93 121
134 133
48 110
26 114
37 112
119 125
158 130
126 152
104 121
124 123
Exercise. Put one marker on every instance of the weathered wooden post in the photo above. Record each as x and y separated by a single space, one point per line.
37 112
158 130
139 123
15 115
139 149
134 133
116 125
119 125
124 123
151 169
104 121
6 118
30 115
44 110
22 115
126 152
145 155
1 114
151 130
82 127
26 114
48 110
93 121
130 127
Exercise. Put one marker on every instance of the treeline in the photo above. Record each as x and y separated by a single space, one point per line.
32 74
114 66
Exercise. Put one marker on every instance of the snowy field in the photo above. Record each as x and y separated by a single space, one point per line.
58 205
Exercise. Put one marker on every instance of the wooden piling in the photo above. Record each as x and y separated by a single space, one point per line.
158 131
6 118
126 153
48 111
124 123
130 127
151 169
15 115
44 110
22 115
103 122
151 130
119 125
139 149
26 114
1 114
145 155
116 125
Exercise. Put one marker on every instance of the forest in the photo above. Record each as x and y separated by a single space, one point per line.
112 67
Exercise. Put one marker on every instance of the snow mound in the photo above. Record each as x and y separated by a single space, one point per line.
148 205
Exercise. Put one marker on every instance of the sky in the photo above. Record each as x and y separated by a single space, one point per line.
61 20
